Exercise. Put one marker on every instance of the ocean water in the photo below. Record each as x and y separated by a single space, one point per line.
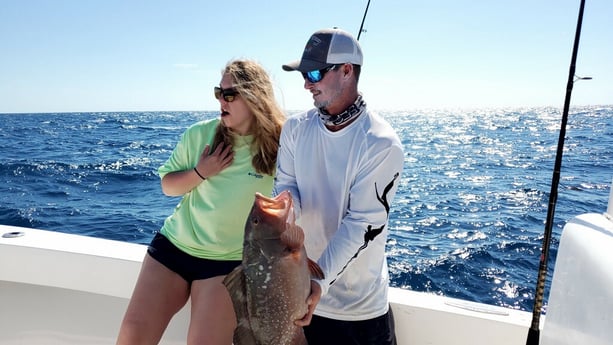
467 221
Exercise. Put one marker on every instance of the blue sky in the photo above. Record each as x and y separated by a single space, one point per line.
136 55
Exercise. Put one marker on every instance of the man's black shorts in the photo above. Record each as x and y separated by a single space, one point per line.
377 331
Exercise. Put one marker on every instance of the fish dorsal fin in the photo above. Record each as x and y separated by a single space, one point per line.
236 286
315 270
293 237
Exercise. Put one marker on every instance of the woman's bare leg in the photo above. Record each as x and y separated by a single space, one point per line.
213 319
158 295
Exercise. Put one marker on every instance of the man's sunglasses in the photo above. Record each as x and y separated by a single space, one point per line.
228 94
317 75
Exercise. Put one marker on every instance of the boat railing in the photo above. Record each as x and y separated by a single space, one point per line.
609 213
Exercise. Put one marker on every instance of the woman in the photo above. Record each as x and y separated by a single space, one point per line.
217 166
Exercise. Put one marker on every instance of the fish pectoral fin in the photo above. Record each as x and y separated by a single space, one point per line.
293 237
315 270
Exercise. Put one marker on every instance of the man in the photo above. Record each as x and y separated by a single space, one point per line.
342 163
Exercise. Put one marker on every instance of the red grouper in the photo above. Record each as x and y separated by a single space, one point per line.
270 288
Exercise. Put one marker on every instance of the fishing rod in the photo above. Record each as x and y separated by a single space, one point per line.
363 19
534 332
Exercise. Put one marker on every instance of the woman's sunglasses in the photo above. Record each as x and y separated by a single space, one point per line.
228 94
317 75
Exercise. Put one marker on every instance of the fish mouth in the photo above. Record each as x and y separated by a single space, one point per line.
277 207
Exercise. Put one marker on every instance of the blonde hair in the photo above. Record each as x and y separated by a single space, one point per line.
255 87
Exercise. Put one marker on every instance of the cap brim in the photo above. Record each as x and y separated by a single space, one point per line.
292 66
305 65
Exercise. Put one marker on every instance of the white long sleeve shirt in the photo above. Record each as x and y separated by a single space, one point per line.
343 184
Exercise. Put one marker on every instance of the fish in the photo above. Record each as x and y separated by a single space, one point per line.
269 289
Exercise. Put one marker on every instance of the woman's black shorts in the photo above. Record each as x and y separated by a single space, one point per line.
189 267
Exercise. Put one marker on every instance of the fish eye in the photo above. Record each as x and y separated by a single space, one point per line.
255 220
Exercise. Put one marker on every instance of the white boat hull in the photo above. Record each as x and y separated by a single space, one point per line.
58 288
